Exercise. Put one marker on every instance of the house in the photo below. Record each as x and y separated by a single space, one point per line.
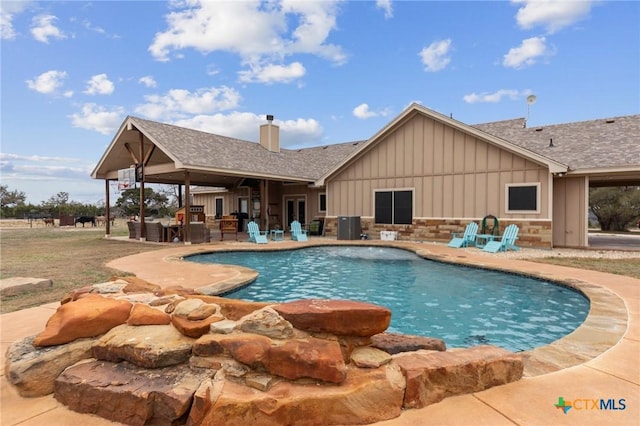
424 175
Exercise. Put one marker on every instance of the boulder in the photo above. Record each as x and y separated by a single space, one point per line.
19 285
150 346
137 285
312 358
366 396
229 366
232 309
32 370
394 343
249 349
194 329
142 314
89 316
128 394
432 376
366 357
204 311
339 317
266 322
185 307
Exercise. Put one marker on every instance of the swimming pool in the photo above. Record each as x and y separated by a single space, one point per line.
463 306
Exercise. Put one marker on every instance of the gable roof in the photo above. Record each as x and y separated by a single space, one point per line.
209 153
606 144
553 165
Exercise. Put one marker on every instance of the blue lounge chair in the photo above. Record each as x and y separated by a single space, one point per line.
507 241
255 234
466 238
297 233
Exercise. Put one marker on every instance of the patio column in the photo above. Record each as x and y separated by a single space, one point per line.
143 235
187 208
107 210
264 204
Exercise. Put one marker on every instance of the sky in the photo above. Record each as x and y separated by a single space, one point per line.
329 71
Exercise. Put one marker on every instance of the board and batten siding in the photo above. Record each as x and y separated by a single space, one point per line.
452 174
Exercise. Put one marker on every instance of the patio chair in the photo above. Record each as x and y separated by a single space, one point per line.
507 241
466 238
255 234
154 231
297 233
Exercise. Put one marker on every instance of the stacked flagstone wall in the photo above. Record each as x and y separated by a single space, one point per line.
133 353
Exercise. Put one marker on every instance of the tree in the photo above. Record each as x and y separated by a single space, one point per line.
616 208
129 202
11 198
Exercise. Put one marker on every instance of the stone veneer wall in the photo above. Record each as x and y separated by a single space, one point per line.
536 234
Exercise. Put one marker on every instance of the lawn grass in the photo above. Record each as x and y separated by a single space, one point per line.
71 258
628 267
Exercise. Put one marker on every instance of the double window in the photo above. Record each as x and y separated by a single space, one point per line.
394 207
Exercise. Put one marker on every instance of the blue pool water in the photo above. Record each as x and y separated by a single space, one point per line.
464 306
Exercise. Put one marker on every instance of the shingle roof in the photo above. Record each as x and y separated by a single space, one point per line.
603 143
197 149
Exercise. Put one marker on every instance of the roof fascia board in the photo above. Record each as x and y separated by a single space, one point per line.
153 140
605 170
554 166
242 173
124 126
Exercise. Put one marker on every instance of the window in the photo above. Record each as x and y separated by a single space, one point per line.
218 211
322 202
394 207
523 198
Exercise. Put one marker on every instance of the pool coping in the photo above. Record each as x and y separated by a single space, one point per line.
604 326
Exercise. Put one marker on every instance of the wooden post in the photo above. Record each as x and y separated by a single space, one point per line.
107 210
141 164
187 208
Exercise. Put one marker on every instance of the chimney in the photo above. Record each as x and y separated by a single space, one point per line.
270 135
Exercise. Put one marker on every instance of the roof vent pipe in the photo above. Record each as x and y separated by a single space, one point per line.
551 142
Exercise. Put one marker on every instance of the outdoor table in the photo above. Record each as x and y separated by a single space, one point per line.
483 239
277 235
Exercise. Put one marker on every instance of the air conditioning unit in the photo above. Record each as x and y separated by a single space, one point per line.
388 235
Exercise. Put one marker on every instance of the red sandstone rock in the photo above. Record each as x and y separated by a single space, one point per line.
203 312
138 285
433 376
232 309
393 343
366 396
87 317
125 393
194 329
340 317
249 349
142 314
313 358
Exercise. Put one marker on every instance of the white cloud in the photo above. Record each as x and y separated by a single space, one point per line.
98 118
47 82
526 54
386 6
435 57
178 103
277 30
494 97
99 85
245 125
553 15
148 81
273 73
363 112
43 28
8 10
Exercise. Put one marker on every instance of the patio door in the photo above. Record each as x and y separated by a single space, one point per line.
295 209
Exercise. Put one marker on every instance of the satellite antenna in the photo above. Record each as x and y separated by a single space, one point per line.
531 99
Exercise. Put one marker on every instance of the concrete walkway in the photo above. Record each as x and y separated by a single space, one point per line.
598 361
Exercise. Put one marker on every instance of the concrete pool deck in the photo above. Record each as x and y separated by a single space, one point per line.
599 360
